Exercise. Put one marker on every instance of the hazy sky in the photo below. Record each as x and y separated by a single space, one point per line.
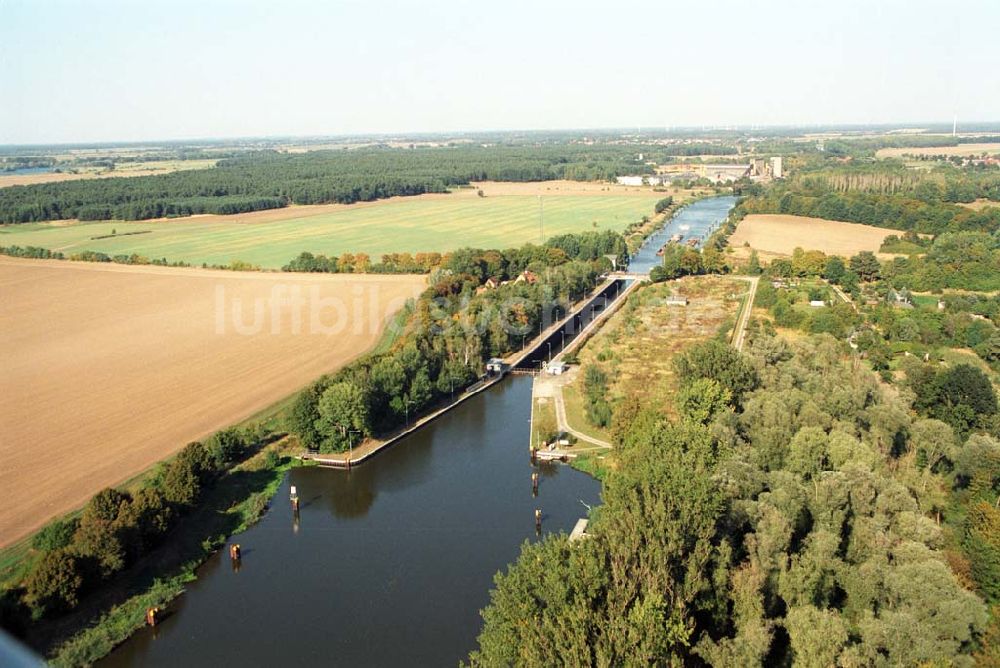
151 69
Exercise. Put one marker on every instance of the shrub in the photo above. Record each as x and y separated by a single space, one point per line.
181 484
227 446
53 584
271 459
595 386
99 541
105 505
55 536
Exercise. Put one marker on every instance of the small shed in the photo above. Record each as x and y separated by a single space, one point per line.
557 367
494 365
817 302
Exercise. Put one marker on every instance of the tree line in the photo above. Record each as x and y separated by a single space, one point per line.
501 265
885 196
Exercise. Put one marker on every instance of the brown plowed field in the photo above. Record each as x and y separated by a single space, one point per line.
108 369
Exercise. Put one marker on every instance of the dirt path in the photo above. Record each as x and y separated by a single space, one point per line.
843 295
551 387
740 335
564 424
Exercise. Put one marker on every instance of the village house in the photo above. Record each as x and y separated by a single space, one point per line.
490 284
528 277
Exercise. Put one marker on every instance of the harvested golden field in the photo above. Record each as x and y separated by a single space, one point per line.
777 235
108 369
123 170
992 148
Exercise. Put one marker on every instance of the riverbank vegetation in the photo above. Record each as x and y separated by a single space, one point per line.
481 304
121 553
786 509
88 579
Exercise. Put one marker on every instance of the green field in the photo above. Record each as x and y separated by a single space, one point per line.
397 226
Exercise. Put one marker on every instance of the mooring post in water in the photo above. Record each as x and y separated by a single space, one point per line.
534 483
151 615
234 557
538 521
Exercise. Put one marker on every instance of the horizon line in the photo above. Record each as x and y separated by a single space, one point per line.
622 129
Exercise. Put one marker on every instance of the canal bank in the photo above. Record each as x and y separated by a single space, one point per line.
577 323
387 564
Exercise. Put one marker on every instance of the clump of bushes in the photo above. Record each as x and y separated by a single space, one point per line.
595 390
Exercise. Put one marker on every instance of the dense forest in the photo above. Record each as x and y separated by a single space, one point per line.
788 515
269 179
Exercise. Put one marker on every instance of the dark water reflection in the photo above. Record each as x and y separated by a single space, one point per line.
387 564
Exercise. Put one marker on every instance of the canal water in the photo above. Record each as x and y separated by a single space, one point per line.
695 221
388 564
